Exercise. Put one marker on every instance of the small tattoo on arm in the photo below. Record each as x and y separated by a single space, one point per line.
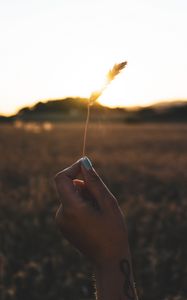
128 286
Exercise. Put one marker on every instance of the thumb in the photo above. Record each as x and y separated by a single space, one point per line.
94 183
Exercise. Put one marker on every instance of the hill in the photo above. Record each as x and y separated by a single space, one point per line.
173 112
74 109
64 110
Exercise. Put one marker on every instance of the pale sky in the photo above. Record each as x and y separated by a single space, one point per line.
58 48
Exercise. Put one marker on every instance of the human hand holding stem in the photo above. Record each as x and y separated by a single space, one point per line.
117 68
89 217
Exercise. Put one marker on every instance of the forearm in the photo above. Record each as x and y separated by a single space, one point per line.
115 281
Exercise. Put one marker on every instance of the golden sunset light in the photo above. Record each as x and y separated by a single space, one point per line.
93 142
56 49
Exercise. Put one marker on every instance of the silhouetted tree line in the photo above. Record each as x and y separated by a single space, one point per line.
72 109
150 114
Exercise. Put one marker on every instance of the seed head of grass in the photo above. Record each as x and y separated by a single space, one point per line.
117 68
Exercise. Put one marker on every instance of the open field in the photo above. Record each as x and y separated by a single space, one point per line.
145 166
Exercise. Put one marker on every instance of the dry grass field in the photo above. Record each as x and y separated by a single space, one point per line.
145 166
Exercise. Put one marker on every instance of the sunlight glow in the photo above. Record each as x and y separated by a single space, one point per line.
57 49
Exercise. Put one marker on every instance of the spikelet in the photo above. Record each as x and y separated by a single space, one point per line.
94 96
117 68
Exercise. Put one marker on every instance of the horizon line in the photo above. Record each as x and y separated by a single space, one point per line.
153 103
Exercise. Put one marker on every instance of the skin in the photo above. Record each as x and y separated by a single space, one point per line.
90 218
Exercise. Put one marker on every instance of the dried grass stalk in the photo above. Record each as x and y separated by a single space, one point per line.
117 68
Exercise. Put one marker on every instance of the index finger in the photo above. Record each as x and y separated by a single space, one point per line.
65 185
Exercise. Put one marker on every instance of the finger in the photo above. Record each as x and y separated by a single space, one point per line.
85 195
94 183
65 186
79 185
72 171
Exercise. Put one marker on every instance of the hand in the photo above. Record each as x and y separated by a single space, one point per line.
89 215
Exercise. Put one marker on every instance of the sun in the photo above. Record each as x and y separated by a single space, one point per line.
115 95
109 102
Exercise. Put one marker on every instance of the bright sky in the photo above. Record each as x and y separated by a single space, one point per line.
59 48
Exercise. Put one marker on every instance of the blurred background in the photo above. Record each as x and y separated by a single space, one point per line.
53 55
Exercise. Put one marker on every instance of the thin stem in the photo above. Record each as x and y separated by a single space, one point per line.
86 129
95 95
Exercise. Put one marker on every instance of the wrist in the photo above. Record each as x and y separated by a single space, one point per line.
113 265
112 257
115 279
